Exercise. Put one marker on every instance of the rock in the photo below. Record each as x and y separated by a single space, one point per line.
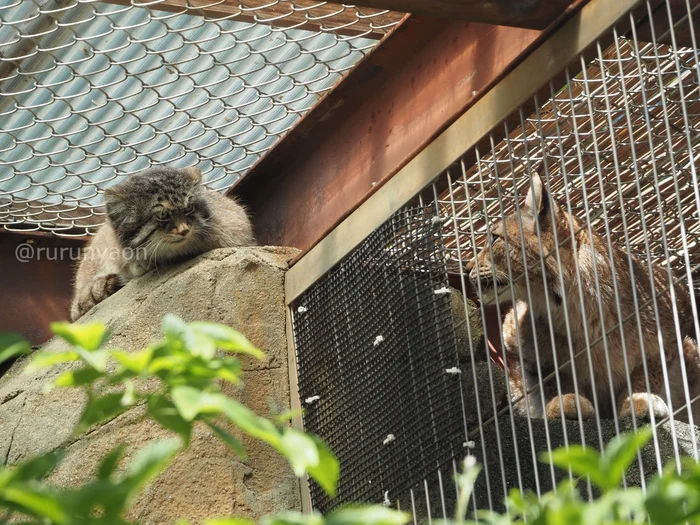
243 288
512 453
485 373
509 449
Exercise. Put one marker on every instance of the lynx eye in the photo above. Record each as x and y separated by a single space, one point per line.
189 209
494 237
160 213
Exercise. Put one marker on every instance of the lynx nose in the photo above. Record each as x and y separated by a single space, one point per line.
469 269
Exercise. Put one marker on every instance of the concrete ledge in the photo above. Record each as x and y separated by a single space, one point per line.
243 288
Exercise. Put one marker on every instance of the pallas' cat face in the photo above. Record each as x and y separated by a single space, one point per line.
162 212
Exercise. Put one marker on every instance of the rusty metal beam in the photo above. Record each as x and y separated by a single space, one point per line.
400 97
302 14
530 14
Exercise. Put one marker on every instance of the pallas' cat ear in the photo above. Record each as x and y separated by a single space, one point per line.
193 174
116 204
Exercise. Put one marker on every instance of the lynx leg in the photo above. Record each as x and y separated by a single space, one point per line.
640 402
97 290
568 403
643 404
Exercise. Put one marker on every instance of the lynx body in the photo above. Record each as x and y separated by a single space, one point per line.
570 318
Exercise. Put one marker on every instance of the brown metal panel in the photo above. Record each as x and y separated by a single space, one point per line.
36 276
391 106
530 14
679 13
303 14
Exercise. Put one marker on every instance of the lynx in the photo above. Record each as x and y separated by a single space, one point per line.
562 317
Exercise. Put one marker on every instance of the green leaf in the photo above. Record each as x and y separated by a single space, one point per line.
667 500
110 462
167 415
97 359
250 423
45 359
12 345
300 450
99 409
582 462
80 377
191 402
173 327
36 503
166 363
34 469
293 518
152 459
187 401
200 345
229 521
89 336
136 362
232 442
620 453
366 515
226 338
228 369
327 472
288 415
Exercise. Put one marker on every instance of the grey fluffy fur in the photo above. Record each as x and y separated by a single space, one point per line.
154 218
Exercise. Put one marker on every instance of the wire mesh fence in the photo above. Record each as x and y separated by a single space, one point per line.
93 91
571 242
372 358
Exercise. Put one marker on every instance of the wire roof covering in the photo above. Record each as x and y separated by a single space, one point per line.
618 143
92 91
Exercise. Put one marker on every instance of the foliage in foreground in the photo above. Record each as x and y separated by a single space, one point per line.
178 380
670 499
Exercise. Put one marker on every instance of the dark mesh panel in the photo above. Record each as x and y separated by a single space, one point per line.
369 389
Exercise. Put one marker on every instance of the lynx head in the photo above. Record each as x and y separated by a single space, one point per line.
160 211
518 243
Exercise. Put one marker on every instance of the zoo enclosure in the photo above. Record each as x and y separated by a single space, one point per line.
606 110
60 154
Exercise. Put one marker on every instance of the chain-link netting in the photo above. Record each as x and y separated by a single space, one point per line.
628 116
92 91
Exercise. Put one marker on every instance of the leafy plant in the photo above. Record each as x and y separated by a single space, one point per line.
179 382
670 499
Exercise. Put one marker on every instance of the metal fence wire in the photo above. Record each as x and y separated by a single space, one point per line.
93 91
374 340
571 243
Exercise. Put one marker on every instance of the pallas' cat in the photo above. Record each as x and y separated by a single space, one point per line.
568 316
155 217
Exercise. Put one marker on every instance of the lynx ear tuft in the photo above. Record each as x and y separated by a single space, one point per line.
193 174
538 201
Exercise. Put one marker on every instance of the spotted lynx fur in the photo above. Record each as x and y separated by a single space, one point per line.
580 315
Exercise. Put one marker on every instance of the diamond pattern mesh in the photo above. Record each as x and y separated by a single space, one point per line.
630 117
91 92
